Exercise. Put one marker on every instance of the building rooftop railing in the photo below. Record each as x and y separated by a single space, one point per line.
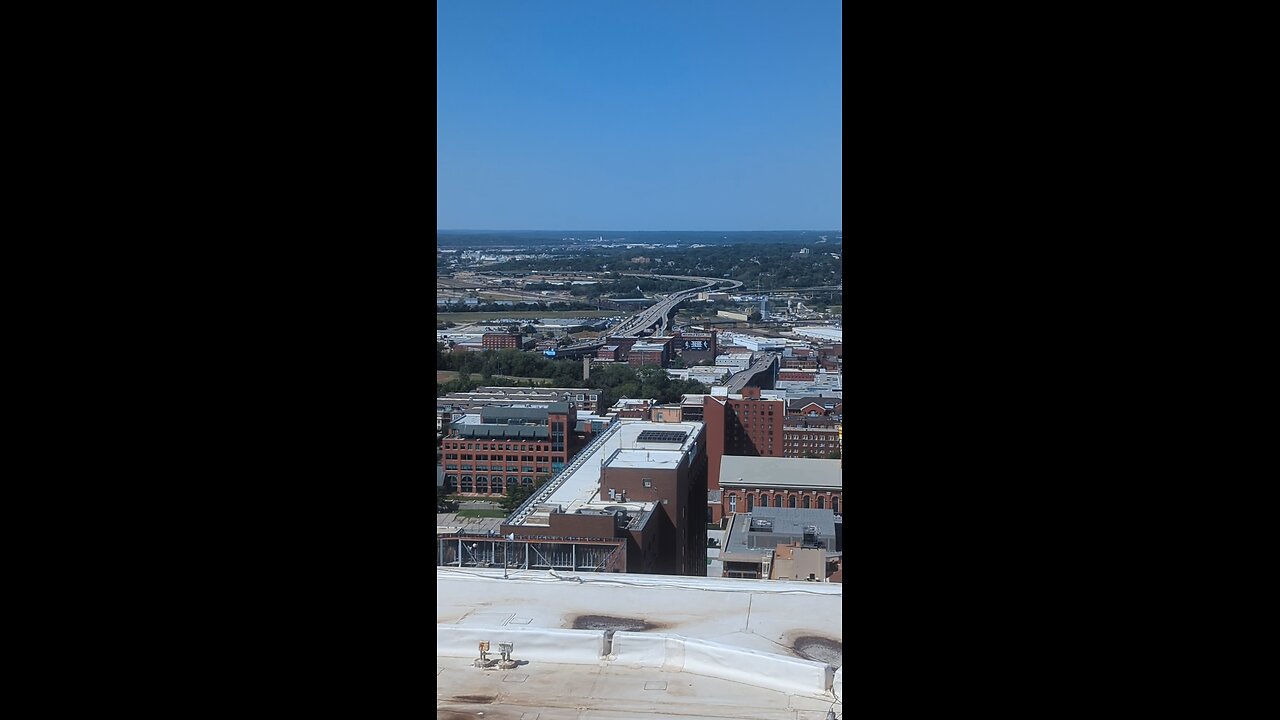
546 491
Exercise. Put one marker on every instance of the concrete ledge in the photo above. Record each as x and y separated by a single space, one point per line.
837 684
572 647
675 653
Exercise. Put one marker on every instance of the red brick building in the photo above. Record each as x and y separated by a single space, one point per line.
740 425
650 353
649 489
499 341
485 453
815 437
750 482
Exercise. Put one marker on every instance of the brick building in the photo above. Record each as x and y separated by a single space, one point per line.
486 452
500 341
813 437
750 482
650 353
639 481
739 424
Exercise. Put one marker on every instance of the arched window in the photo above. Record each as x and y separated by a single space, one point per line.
822 503
482 484
835 505
751 502
527 482
466 484
733 503
804 502
497 484
777 501
511 482
450 482
791 501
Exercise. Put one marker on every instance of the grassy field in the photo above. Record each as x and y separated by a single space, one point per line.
483 513
460 317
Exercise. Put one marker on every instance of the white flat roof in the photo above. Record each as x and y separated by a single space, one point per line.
580 489
664 459
754 637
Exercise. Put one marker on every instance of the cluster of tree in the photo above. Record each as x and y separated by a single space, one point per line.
767 265
521 306
615 380
518 493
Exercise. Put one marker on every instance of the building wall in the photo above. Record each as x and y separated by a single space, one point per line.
810 442
535 459
499 341
750 497
644 357
750 426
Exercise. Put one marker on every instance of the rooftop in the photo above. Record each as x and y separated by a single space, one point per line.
765 528
578 487
739 470
695 648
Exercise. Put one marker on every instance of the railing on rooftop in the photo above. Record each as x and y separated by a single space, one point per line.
546 491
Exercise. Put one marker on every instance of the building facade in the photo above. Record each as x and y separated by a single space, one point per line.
487 452
747 483
500 341
739 424
810 437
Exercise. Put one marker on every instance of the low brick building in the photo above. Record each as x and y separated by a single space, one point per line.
750 482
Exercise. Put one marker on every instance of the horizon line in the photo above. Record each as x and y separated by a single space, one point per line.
630 230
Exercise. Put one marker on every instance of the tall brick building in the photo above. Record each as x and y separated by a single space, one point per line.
739 425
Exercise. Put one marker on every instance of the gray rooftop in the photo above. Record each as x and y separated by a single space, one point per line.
500 414
764 529
502 431
740 470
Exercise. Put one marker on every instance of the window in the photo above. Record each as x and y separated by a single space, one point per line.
822 503
527 482
733 503
750 503
497 484
777 501
648 482
804 502
466 484
835 505
791 501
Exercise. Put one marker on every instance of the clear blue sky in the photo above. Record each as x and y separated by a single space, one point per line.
638 115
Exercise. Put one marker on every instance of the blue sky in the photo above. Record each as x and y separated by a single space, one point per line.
638 115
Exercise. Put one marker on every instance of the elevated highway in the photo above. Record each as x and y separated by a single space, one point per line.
655 314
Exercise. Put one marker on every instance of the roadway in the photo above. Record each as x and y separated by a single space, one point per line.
739 380
657 313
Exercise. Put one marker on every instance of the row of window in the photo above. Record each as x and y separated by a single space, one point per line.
509 458
751 500
472 446
482 483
